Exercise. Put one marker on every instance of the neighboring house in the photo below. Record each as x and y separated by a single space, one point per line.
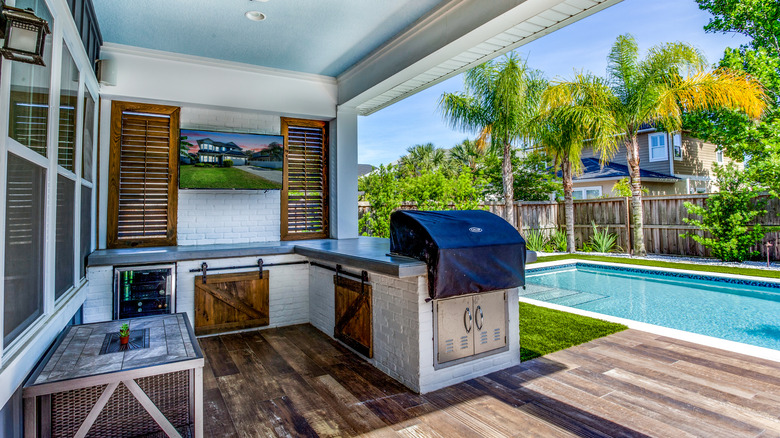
670 164
215 152
364 169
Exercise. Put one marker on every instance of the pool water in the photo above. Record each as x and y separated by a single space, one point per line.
738 310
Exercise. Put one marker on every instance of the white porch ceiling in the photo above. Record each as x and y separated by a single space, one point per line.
540 18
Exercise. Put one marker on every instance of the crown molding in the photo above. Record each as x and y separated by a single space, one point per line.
122 49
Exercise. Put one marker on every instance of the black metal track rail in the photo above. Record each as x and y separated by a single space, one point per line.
204 267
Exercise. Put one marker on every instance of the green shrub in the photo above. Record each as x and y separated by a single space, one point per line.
623 188
602 241
227 163
534 240
727 215
386 188
558 240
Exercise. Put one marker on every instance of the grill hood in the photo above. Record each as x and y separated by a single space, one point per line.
466 251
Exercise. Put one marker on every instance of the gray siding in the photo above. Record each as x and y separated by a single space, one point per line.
698 158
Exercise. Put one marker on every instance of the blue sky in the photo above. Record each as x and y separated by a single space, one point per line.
384 136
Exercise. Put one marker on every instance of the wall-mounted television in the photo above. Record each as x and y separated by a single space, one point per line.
230 160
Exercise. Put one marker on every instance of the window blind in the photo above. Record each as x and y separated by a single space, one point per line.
143 175
305 192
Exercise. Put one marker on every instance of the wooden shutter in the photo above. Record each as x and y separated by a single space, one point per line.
305 192
143 175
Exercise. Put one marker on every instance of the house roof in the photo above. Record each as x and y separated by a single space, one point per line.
592 169
364 169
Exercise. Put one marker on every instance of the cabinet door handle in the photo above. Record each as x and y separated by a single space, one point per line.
467 320
478 314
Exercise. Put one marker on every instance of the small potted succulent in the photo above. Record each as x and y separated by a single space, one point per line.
124 334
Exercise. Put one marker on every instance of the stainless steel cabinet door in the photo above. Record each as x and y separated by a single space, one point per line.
455 318
489 321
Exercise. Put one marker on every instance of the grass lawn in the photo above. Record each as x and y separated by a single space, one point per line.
659 264
544 330
191 177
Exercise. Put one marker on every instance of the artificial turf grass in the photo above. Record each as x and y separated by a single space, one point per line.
659 264
543 330
192 177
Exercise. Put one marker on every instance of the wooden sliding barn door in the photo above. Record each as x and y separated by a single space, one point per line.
353 315
231 302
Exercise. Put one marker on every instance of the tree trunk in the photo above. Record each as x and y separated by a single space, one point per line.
568 201
637 216
509 185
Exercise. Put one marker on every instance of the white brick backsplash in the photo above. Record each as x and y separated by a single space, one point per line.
100 300
222 120
207 216
224 216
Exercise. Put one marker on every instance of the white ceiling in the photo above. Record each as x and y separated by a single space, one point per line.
312 36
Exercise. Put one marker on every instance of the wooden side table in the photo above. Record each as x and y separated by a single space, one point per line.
84 387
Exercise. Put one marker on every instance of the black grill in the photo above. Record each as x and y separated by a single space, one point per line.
466 251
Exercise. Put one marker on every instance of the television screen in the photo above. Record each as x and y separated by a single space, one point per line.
229 160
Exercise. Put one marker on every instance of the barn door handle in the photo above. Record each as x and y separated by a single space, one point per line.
467 323
481 319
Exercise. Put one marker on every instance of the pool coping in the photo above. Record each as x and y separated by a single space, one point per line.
710 341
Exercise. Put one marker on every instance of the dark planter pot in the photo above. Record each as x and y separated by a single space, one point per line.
123 340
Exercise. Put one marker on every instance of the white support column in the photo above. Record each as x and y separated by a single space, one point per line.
343 174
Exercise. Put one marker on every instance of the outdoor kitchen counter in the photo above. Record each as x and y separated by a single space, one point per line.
369 253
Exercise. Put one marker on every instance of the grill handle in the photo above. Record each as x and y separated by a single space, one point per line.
481 320
467 323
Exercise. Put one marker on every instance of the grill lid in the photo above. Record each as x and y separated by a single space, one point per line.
466 251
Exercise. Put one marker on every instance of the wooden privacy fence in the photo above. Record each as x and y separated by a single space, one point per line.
663 221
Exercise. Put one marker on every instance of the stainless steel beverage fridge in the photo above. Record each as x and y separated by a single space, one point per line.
144 291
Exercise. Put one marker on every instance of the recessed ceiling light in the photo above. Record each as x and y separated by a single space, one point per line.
261 1
255 15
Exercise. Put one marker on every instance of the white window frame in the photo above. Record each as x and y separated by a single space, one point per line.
677 146
584 191
35 337
665 148
719 156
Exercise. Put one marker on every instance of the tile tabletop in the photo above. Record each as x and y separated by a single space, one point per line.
78 353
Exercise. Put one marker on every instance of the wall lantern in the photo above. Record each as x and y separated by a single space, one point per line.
24 34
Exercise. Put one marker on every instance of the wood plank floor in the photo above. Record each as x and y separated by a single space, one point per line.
295 381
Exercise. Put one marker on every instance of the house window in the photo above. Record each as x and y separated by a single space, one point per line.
25 205
305 189
28 115
64 237
719 156
69 90
659 150
677 147
586 192
143 175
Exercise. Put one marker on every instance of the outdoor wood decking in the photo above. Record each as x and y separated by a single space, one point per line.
295 381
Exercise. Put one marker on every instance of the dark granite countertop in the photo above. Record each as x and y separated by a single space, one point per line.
77 354
369 253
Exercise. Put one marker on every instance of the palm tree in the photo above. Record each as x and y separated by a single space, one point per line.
466 154
422 158
563 130
671 79
500 99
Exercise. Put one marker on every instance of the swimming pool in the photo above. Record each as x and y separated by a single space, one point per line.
737 309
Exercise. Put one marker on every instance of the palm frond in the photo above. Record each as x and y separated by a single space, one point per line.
623 67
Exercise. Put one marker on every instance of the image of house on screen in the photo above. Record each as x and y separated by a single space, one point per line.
215 152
